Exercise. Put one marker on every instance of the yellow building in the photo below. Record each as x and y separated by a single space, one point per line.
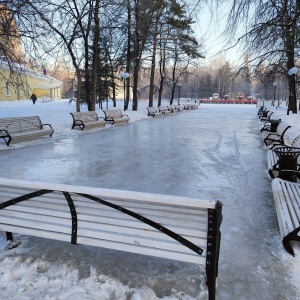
18 83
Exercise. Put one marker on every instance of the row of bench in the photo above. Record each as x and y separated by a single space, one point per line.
169 109
25 128
283 168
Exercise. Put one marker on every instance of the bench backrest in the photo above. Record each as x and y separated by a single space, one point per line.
172 227
103 213
113 113
162 108
281 128
85 117
20 124
152 109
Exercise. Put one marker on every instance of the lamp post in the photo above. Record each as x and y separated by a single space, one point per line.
292 98
179 90
124 76
275 85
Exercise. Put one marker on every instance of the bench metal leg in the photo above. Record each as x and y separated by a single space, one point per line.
292 236
7 141
9 236
213 249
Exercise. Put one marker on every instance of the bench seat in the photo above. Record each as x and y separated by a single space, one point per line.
23 129
287 203
115 116
87 120
170 227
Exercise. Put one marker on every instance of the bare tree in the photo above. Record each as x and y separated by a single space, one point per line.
271 35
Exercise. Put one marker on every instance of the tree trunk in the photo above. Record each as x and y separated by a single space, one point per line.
128 55
95 57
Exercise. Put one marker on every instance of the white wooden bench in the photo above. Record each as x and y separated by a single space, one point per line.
171 108
115 116
275 138
178 108
262 110
87 120
287 202
153 112
171 227
188 106
164 110
266 116
23 128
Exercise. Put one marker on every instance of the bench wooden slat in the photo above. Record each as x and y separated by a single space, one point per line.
191 258
182 227
50 206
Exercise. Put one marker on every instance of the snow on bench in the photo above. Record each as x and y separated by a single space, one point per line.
164 226
287 203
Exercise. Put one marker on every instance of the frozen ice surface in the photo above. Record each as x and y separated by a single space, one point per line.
214 152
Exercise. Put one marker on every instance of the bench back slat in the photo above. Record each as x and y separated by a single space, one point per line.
85 117
21 124
114 113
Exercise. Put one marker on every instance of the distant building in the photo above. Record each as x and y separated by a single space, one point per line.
18 83
215 96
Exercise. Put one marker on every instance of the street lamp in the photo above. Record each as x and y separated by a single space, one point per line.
179 90
124 76
292 99
275 85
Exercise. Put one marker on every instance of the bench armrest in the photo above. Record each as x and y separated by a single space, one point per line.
47 125
4 130
125 116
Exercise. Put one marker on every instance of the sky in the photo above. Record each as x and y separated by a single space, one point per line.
211 25
214 152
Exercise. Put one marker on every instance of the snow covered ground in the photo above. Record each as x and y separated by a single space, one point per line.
214 152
